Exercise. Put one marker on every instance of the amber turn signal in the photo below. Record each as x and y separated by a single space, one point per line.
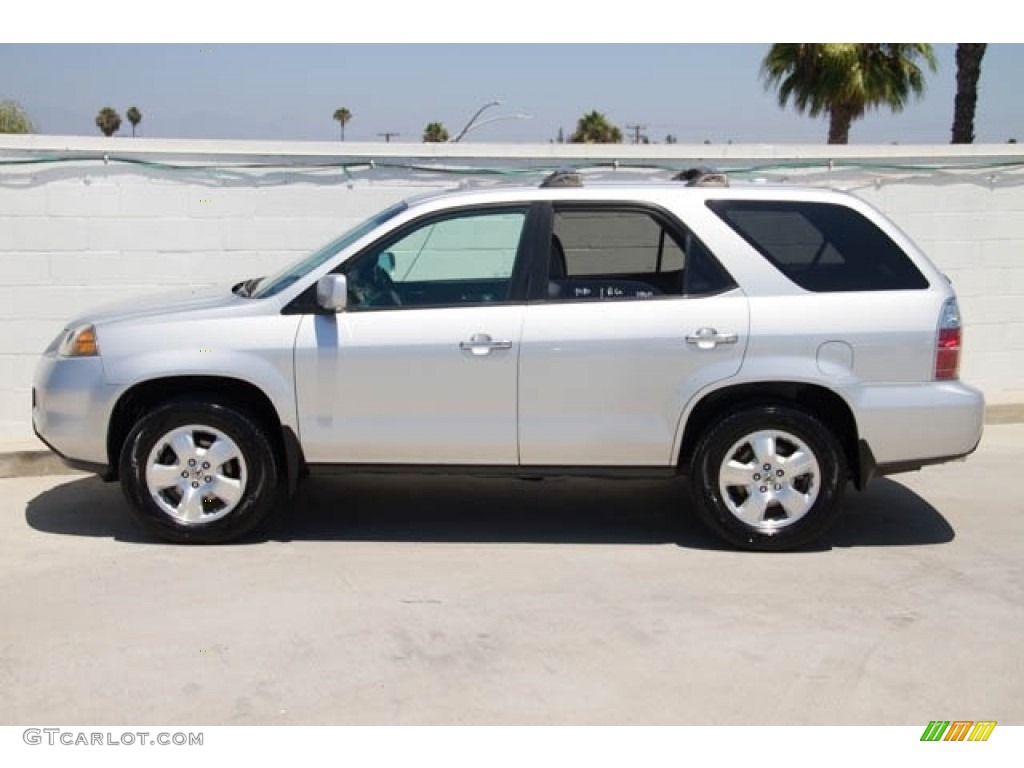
80 342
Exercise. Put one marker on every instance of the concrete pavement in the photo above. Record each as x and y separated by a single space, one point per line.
411 600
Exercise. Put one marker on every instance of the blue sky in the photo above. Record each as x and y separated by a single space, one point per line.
250 91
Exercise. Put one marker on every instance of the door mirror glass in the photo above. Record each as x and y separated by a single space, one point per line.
332 292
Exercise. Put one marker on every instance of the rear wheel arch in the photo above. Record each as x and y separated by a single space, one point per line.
824 404
768 477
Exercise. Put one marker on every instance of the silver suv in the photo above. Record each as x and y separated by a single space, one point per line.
769 343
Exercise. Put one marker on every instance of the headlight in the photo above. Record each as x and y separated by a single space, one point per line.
79 341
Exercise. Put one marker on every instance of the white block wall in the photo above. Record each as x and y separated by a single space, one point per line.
73 236
976 237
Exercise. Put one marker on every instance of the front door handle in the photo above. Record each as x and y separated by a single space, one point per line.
709 338
482 344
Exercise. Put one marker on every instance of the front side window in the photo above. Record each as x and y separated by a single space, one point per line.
606 253
466 258
821 246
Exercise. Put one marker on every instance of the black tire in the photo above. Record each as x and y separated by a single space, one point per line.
816 494
257 473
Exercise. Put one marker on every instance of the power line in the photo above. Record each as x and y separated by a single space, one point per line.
387 136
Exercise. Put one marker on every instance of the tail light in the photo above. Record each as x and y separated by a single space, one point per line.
947 343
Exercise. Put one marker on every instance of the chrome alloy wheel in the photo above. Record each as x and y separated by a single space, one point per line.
196 474
769 479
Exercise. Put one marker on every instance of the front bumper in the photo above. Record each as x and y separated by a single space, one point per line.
71 406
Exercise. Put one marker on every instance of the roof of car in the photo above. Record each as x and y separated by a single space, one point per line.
620 191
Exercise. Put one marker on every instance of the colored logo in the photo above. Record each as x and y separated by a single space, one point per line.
958 730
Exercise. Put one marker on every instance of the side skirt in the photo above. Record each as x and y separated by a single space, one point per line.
488 470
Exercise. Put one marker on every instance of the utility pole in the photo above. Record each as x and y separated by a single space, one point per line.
387 136
636 132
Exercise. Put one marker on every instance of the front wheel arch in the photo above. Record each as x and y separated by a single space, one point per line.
146 396
200 472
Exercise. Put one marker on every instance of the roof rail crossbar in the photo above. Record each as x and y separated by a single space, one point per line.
702 176
563 177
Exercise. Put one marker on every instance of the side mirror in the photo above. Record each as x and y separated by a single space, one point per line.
332 292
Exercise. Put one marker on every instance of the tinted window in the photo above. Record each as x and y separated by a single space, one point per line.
821 246
481 245
466 258
606 253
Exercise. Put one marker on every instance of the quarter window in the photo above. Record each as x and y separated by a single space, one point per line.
821 246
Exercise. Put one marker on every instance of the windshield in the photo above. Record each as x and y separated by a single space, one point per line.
277 282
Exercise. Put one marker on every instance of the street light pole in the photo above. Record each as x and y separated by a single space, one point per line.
496 118
472 120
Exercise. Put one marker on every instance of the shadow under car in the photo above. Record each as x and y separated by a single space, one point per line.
467 509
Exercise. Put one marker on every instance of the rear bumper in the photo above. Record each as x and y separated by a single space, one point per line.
910 426
869 468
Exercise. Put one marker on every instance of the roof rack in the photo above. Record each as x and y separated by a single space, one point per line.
563 177
702 176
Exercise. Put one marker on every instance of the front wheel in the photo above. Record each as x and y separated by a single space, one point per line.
199 472
768 478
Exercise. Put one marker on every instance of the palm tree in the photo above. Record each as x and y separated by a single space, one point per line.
968 70
594 128
134 117
845 80
13 119
108 121
435 133
342 115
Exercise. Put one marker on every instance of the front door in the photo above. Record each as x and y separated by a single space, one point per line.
421 368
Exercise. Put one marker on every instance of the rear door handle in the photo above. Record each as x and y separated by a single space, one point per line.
709 338
482 344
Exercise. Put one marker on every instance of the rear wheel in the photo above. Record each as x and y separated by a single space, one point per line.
768 478
199 472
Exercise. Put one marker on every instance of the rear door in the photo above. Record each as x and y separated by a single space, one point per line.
632 318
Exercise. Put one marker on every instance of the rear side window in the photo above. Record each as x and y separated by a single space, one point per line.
821 246
607 252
